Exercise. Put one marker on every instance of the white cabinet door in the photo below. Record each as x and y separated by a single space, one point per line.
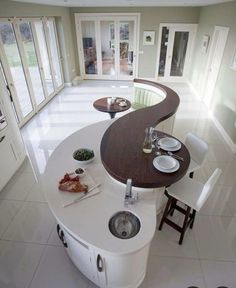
8 159
118 271
80 254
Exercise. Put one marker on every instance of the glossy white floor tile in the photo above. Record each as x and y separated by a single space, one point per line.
33 223
57 271
165 242
171 272
207 257
18 263
18 187
36 194
8 209
215 237
218 274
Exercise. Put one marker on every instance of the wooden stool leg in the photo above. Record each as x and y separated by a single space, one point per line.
165 212
172 207
185 225
193 218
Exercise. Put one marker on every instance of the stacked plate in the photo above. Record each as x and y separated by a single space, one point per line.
169 144
165 163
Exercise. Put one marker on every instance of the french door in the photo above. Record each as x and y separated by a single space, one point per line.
107 45
30 60
174 51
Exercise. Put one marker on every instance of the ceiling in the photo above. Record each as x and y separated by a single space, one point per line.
124 3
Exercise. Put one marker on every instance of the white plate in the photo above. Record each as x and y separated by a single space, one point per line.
174 169
165 162
172 149
168 142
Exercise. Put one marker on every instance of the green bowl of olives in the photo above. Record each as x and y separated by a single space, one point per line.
83 155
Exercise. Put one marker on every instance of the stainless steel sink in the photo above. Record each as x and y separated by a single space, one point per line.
124 225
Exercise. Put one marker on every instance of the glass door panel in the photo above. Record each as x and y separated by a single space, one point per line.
32 62
108 47
9 92
15 65
176 43
179 53
163 52
54 53
126 35
44 55
89 47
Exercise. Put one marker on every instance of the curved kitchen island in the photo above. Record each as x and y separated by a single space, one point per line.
83 227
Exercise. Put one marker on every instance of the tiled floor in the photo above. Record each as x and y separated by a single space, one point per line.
31 256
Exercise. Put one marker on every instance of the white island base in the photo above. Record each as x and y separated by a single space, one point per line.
83 227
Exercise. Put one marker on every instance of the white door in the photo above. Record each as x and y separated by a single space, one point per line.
174 51
214 61
107 45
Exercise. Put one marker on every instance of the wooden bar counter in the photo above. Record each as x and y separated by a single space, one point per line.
121 145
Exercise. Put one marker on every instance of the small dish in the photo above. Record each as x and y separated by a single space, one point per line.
172 149
168 142
83 155
162 169
80 172
166 162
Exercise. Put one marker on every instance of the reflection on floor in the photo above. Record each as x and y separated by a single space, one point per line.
31 255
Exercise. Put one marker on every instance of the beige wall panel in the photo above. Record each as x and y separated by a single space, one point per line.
223 102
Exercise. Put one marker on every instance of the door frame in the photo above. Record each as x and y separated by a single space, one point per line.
220 44
116 17
185 27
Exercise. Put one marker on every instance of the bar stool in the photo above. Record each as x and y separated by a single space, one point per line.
193 194
198 150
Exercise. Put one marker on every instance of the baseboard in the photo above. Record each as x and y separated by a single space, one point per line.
217 124
222 131
68 84
76 80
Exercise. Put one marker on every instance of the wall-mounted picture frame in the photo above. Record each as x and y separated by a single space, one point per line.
233 62
148 37
205 43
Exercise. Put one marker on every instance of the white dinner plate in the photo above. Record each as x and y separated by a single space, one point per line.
168 142
165 162
156 164
172 149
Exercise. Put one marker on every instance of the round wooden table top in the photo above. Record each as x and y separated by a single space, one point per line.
102 105
121 145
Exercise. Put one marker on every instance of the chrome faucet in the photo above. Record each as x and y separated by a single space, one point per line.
129 198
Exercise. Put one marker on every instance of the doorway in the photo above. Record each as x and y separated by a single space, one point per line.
214 61
31 63
174 51
107 45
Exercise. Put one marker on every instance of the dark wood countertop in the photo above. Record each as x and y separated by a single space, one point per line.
121 145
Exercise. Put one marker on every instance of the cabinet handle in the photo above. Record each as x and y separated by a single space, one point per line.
63 240
2 138
99 263
61 236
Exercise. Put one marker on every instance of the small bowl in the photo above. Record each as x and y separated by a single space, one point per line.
80 172
83 161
